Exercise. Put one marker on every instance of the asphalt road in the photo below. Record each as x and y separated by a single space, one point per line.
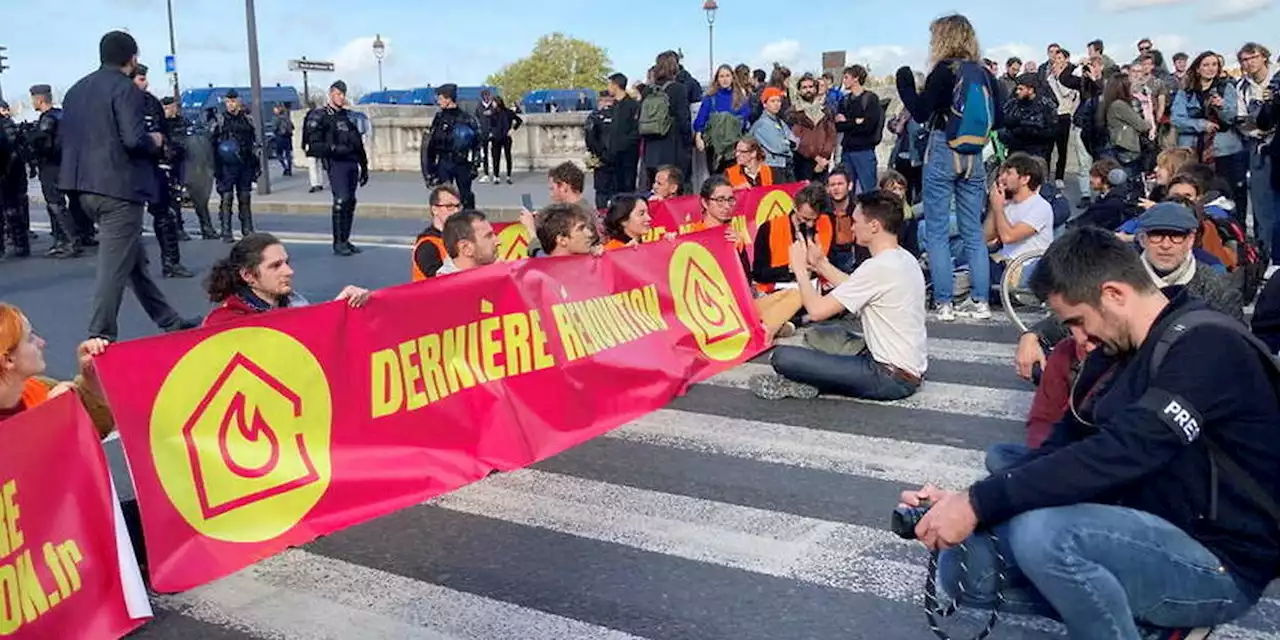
720 516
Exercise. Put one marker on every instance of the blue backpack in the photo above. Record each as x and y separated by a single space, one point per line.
465 136
972 109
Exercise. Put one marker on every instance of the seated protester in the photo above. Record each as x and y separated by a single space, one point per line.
1112 208
666 183
749 170
1018 221
1168 164
1187 534
22 383
845 253
888 293
1210 248
626 222
565 184
567 230
1166 235
470 240
256 278
774 136
429 252
811 217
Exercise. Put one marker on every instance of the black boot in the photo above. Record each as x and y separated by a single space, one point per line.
66 239
246 214
183 236
224 218
349 219
338 218
207 230
20 228
166 226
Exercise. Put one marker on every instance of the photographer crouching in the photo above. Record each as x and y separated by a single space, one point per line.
1147 513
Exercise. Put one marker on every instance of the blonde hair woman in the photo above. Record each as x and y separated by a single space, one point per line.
952 180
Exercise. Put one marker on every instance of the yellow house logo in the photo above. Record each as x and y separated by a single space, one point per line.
240 434
513 243
773 204
705 303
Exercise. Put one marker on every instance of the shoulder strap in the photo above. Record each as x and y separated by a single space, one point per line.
1217 456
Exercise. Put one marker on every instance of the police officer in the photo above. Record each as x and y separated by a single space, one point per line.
598 133
454 140
177 138
46 155
282 126
331 134
235 163
15 223
164 221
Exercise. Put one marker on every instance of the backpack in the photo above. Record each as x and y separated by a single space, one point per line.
465 135
722 134
972 109
1220 461
655 112
1244 258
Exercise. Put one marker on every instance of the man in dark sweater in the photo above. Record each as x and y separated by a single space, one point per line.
1122 521
108 160
861 120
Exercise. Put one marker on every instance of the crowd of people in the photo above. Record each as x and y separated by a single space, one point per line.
1137 507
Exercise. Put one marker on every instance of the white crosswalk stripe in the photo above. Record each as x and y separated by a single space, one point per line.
721 516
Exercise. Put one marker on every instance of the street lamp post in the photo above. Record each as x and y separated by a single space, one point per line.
173 51
710 7
255 89
379 50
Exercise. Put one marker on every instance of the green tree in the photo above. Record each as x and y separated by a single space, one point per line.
557 62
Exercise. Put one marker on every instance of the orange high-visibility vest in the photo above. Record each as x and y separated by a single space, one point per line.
34 393
416 273
738 178
780 240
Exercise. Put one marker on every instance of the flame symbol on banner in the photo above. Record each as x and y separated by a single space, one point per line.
706 303
773 204
250 431
513 243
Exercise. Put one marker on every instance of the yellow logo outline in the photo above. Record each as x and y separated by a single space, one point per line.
705 304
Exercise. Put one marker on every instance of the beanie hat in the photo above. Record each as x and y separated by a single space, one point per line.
448 90
770 92
117 48
340 86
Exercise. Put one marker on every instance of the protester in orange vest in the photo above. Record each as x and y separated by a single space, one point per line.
626 222
255 278
470 241
750 170
22 385
429 253
812 218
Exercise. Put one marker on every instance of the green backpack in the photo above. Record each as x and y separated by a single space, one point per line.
722 134
655 112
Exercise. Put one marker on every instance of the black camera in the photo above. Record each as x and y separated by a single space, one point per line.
904 520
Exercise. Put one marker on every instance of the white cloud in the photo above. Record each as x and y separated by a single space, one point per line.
1168 44
1021 50
788 53
1235 9
883 60
1129 5
356 57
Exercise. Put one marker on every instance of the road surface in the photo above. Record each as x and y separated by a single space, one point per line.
721 516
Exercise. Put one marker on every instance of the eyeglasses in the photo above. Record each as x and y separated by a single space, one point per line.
1174 237
449 205
725 199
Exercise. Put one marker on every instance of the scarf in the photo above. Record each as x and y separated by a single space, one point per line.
1180 276
259 305
816 110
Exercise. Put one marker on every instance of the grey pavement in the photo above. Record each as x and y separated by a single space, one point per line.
721 516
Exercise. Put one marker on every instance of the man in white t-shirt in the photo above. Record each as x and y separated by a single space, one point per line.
887 291
1019 219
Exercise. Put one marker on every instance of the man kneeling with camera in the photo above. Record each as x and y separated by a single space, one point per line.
1147 513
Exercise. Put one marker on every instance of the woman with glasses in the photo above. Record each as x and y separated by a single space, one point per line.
749 169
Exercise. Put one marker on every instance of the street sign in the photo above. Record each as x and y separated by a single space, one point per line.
170 64
310 65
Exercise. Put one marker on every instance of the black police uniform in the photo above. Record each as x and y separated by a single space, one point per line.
597 129
177 137
15 217
331 134
45 143
164 221
448 157
235 166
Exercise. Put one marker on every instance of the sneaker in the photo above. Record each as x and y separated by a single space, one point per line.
508 179
772 386
973 309
1060 184
946 313
483 179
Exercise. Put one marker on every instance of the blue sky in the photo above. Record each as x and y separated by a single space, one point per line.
436 42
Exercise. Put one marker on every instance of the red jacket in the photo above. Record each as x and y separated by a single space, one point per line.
231 309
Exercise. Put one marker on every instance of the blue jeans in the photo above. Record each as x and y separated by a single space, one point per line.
1099 569
863 165
1263 203
854 376
950 177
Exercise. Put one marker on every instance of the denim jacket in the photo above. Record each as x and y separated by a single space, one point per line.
776 138
1188 118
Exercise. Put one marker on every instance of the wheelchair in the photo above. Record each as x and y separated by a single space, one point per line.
1015 295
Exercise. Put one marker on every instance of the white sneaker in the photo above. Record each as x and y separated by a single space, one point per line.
1060 184
946 313
971 308
483 179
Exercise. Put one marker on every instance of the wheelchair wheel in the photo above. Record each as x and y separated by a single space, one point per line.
1014 293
